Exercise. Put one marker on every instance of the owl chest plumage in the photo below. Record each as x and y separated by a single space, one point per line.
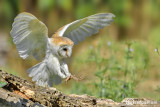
54 62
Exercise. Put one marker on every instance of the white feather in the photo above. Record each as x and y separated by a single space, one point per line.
86 26
30 36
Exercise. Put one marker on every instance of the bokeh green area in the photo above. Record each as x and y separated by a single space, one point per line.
121 61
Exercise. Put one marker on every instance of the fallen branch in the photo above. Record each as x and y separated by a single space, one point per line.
19 92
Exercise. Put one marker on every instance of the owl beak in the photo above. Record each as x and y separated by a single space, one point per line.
67 54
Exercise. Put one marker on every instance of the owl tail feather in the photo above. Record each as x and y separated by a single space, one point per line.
41 74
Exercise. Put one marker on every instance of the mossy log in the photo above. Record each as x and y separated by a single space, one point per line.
21 93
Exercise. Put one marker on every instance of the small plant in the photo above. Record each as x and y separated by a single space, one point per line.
109 84
119 68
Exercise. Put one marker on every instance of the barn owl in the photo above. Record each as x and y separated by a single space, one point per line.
30 36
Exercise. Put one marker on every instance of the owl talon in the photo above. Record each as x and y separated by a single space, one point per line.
73 77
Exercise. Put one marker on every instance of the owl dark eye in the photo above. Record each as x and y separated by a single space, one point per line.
65 49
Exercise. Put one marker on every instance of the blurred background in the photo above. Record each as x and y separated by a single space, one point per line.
121 61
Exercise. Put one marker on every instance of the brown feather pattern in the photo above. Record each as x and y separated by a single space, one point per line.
61 41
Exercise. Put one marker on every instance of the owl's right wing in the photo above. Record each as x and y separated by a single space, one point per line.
78 30
30 36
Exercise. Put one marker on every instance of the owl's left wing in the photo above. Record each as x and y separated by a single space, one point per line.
78 30
30 36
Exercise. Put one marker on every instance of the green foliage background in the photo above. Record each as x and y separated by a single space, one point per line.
118 62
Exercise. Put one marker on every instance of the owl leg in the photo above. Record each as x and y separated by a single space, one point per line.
73 77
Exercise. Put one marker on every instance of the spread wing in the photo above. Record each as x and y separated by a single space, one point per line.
30 36
78 30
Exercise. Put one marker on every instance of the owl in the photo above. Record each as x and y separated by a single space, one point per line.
30 36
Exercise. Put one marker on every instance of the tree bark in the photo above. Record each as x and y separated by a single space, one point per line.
21 93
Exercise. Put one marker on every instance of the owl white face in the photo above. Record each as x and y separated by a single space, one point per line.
61 46
65 51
